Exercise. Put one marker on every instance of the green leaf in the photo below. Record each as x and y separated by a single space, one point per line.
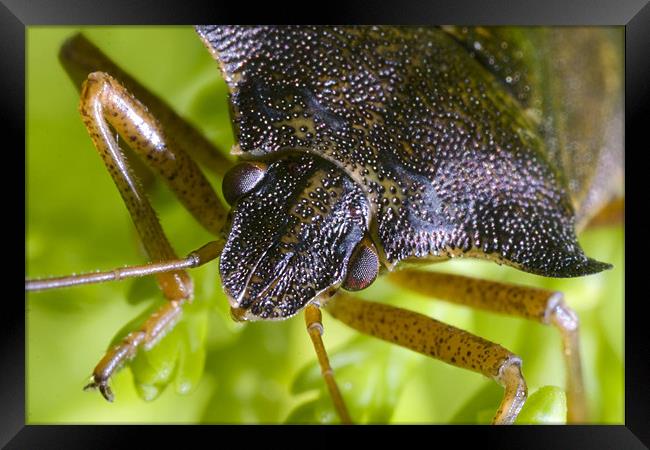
310 376
481 407
546 406
153 369
192 354
142 289
313 411
370 375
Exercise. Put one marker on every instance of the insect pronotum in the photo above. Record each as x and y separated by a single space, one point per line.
70 224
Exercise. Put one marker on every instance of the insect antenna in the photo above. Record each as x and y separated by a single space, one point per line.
196 258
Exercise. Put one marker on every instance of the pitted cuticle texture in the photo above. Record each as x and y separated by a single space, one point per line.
292 237
449 162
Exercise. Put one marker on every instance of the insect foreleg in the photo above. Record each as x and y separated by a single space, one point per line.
80 57
106 107
151 331
540 305
433 338
104 102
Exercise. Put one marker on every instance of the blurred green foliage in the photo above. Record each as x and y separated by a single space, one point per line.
210 369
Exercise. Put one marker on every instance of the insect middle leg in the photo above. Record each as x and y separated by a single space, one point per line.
313 320
107 107
445 342
540 305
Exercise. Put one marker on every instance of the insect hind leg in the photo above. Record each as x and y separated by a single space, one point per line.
540 305
438 340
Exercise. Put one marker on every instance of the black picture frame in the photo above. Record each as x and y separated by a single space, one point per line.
16 15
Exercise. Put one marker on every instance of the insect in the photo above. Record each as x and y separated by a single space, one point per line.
324 112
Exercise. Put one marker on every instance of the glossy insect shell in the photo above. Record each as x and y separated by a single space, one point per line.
442 129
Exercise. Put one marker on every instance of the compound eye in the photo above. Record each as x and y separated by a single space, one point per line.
362 268
242 179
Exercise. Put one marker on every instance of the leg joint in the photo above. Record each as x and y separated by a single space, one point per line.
516 391
316 326
560 314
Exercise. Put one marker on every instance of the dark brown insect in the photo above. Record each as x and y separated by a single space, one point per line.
365 149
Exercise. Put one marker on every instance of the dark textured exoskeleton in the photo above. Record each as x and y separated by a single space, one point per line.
364 150
419 144
438 152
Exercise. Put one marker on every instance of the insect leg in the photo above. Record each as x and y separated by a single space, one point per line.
80 57
445 342
313 320
105 103
613 213
540 305
198 257
151 331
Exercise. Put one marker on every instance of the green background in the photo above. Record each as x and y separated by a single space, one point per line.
211 369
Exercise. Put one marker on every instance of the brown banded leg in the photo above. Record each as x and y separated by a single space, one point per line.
313 320
441 341
106 107
540 305
104 102
80 57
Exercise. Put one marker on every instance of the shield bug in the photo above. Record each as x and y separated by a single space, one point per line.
262 100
